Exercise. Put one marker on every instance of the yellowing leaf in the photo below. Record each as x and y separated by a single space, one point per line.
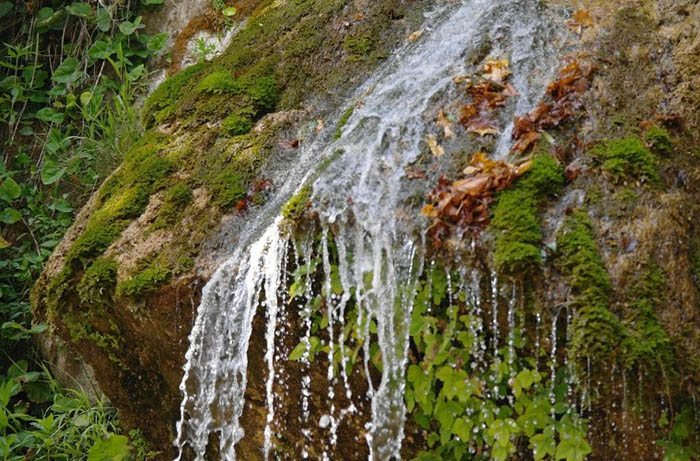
444 122
497 70
429 211
435 148
484 130
4 243
416 35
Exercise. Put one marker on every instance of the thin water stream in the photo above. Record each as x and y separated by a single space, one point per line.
360 198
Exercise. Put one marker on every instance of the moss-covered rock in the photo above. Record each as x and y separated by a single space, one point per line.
646 343
516 217
295 207
175 200
123 287
595 330
145 281
628 158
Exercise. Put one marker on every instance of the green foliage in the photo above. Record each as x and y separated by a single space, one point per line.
628 158
683 441
595 330
516 221
467 405
343 120
66 119
38 417
295 207
659 141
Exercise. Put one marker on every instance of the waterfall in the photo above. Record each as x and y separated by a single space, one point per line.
360 198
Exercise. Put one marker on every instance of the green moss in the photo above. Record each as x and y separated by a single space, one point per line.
161 104
145 281
595 330
238 123
359 47
175 200
78 296
294 209
628 158
594 194
264 91
219 82
343 121
230 175
659 141
626 196
516 220
124 199
98 282
646 342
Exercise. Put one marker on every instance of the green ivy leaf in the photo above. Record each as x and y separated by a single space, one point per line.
499 453
10 190
10 216
51 172
103 19
85 98
79 9
152 2
113 448
463 429
128 27
46 16
298 351
61 205
49 115
543 444
525 379
68 72
101 49
573 449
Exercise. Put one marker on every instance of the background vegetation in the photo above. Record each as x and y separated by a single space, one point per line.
69 75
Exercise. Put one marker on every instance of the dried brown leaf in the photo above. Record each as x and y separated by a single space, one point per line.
435 148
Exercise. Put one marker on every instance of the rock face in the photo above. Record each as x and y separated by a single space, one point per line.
618 244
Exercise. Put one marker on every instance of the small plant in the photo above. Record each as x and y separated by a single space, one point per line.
203 49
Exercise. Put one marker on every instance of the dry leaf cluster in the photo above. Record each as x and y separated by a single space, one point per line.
565 94
463 205
488 94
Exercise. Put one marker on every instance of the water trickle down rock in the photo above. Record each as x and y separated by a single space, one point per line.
360 197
